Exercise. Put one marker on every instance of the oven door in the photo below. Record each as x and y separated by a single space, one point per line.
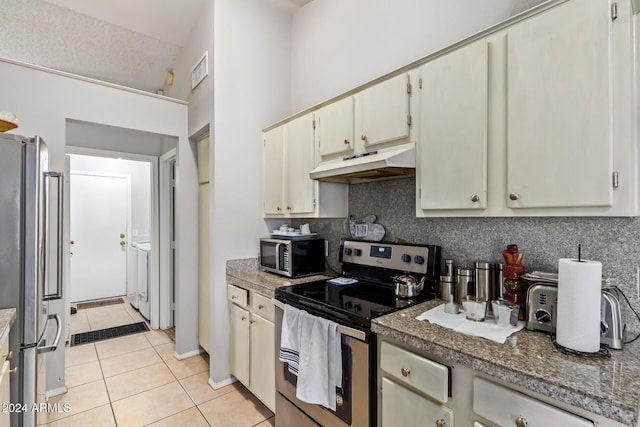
354 401
274 256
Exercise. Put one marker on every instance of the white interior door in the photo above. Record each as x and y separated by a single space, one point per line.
99 214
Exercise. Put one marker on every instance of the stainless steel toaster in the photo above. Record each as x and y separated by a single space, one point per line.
541 307
542 301
612 324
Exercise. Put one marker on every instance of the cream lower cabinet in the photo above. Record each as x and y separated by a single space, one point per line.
5 373
252 343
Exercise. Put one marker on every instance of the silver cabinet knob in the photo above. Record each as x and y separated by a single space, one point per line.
441 423
260 306
278 209
234 297
405 372
363 137
346 142
243 318
475 198
521 422
514 196
288 208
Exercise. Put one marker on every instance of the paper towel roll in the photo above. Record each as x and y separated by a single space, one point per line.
579 295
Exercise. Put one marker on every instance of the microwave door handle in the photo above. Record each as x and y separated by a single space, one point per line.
278 256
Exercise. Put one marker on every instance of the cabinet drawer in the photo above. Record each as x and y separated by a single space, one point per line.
402 407
503 406
237 295
427 376
262 306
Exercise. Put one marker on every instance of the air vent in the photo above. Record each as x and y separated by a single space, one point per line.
542 299
200 70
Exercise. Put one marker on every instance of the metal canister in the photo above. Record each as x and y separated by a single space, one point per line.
464 285
447 288
449 267
484 277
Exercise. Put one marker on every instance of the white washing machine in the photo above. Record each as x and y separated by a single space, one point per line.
132 273
144 279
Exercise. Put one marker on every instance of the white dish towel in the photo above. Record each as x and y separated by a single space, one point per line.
312 346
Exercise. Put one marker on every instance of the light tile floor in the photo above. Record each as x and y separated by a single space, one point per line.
136 381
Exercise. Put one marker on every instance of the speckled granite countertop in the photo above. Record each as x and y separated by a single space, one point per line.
608 387
245 274
7 317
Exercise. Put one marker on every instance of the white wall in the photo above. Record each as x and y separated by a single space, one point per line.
43 102
252 90
339 45
248 88
140 173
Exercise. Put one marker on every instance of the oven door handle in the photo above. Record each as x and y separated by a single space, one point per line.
353 333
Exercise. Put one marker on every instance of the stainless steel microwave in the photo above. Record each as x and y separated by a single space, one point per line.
292 257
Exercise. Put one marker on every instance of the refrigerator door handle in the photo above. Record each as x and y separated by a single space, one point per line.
56 341
59 235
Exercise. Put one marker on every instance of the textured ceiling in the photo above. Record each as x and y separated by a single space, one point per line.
130 43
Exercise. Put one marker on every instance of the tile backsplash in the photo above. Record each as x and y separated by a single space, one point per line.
613 241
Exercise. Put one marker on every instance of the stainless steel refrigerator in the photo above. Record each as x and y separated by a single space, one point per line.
30 264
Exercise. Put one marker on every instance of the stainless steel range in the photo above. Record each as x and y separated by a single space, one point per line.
372 268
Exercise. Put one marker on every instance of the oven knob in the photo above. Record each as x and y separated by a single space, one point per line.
357 308
348 251
357 252
348 305
406 258
542 315
418 259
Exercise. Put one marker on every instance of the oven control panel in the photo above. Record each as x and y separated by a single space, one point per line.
409 258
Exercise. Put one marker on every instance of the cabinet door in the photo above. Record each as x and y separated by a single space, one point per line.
263 383
453 130
559 148
382 112
299 159
402 407
239 344
203 267
273 171
335 128
5 392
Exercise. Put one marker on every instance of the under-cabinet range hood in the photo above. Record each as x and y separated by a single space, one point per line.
387 163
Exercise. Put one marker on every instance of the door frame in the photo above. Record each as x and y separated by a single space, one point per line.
167 244
127 178
155 209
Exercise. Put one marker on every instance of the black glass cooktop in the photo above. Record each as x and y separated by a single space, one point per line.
357 303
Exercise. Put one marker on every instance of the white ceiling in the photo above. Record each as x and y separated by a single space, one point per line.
131 43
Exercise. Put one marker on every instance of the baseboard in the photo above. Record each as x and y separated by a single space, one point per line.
223 383
187 355
56 392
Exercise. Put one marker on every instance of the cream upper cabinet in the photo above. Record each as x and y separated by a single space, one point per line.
334 127
559 115
289 156
299 161
273 170
382 113
452 158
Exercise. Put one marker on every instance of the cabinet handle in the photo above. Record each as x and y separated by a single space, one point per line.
278 209
441 423
14 370
260 306
346 142
288 208
521 422
475 198
405 372
243 318
514 196
234 297
252 321
363 137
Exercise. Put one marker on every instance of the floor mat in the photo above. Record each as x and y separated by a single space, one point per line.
105 334
100 303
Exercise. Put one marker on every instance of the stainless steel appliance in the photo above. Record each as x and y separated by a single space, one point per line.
292 256
30 237
373 265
